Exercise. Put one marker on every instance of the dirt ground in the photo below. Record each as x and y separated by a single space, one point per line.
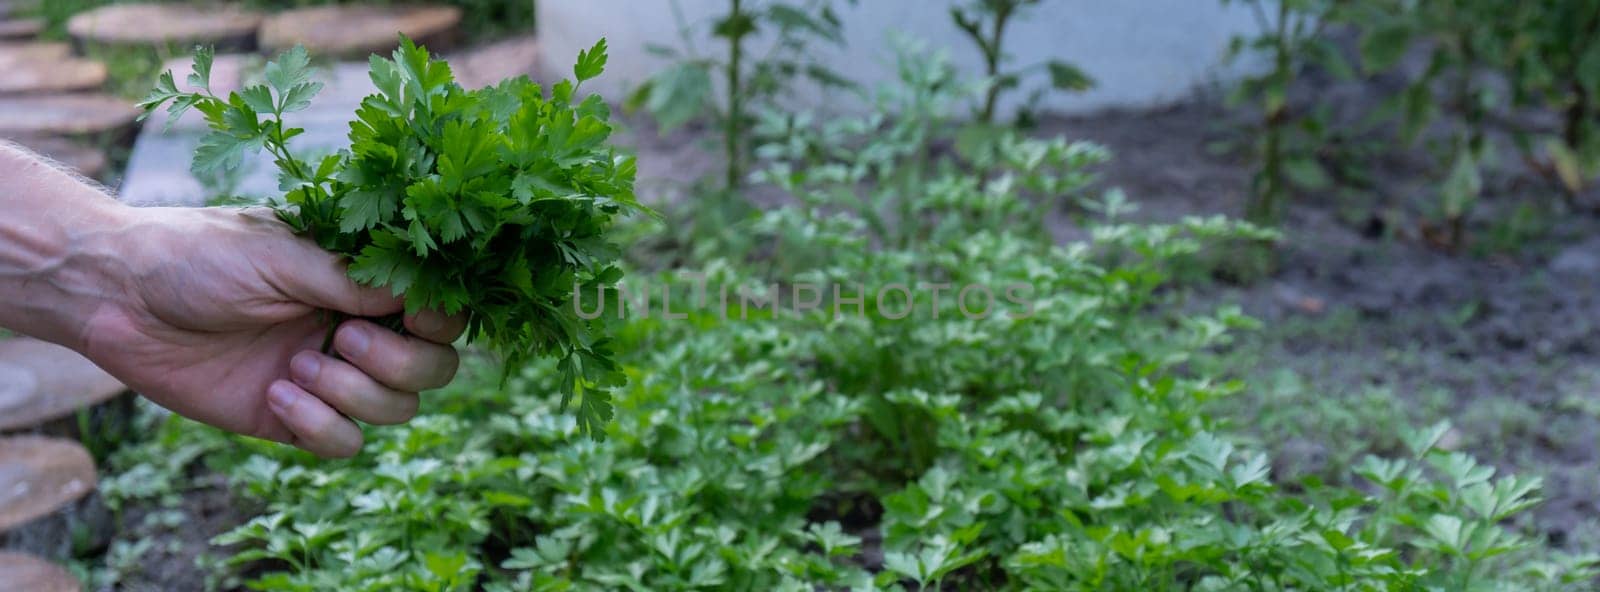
1501 339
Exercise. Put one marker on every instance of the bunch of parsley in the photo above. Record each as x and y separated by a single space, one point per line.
494 202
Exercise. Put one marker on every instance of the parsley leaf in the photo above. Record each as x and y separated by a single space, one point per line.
493 202
591 62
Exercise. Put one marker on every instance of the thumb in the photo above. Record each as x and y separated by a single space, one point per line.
306 273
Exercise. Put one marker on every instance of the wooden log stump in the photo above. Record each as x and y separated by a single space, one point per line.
489 64
84 160
41 382
60 75
20 29
355 31
26 572
226 28
61 115
39 475
15 52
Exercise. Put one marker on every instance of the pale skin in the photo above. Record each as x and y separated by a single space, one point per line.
217 314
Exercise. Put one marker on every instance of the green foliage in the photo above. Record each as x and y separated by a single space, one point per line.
1557 68
1058 437
494 203
1545 52
1465 38
985 22
682 91
1289 138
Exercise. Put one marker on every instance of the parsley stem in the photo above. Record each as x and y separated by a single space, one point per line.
335 318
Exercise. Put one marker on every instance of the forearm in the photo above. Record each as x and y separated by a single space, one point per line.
59 239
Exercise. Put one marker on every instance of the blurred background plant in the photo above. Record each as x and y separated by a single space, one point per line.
985 23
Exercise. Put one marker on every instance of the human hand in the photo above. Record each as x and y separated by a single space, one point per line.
220 315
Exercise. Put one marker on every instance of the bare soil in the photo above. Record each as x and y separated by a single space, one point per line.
1505 334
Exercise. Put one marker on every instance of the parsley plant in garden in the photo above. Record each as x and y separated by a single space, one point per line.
494 202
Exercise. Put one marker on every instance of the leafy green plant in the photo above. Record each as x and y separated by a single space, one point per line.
1558 68
494 203
1064 440
682 92
1464 37
1291 138
985 23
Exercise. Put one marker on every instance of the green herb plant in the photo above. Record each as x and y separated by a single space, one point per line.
985 23
872 444
1557 68
751 82
764 52
1291 137
1464 38
493 203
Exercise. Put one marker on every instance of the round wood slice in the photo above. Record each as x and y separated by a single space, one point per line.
26 572
84 160
489 64
19 29
223 27
39 475
54 115
51 76
55 382
18 52
359 30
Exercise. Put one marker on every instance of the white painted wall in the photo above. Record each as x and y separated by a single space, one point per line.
1143 53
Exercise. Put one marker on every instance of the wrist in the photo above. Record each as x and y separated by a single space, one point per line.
60 245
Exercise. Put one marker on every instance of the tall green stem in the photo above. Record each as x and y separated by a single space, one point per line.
992 56
1266 204
734 126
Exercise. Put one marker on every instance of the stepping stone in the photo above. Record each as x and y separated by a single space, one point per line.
20 52
41 382
354 31
488 65
29 77
39 475
226 27
56 115
26 572
20 29
84 160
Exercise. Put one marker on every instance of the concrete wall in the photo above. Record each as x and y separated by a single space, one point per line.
1143 53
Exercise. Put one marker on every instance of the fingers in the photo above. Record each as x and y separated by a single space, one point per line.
436 326
403 363
316 427
350 390
306 273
